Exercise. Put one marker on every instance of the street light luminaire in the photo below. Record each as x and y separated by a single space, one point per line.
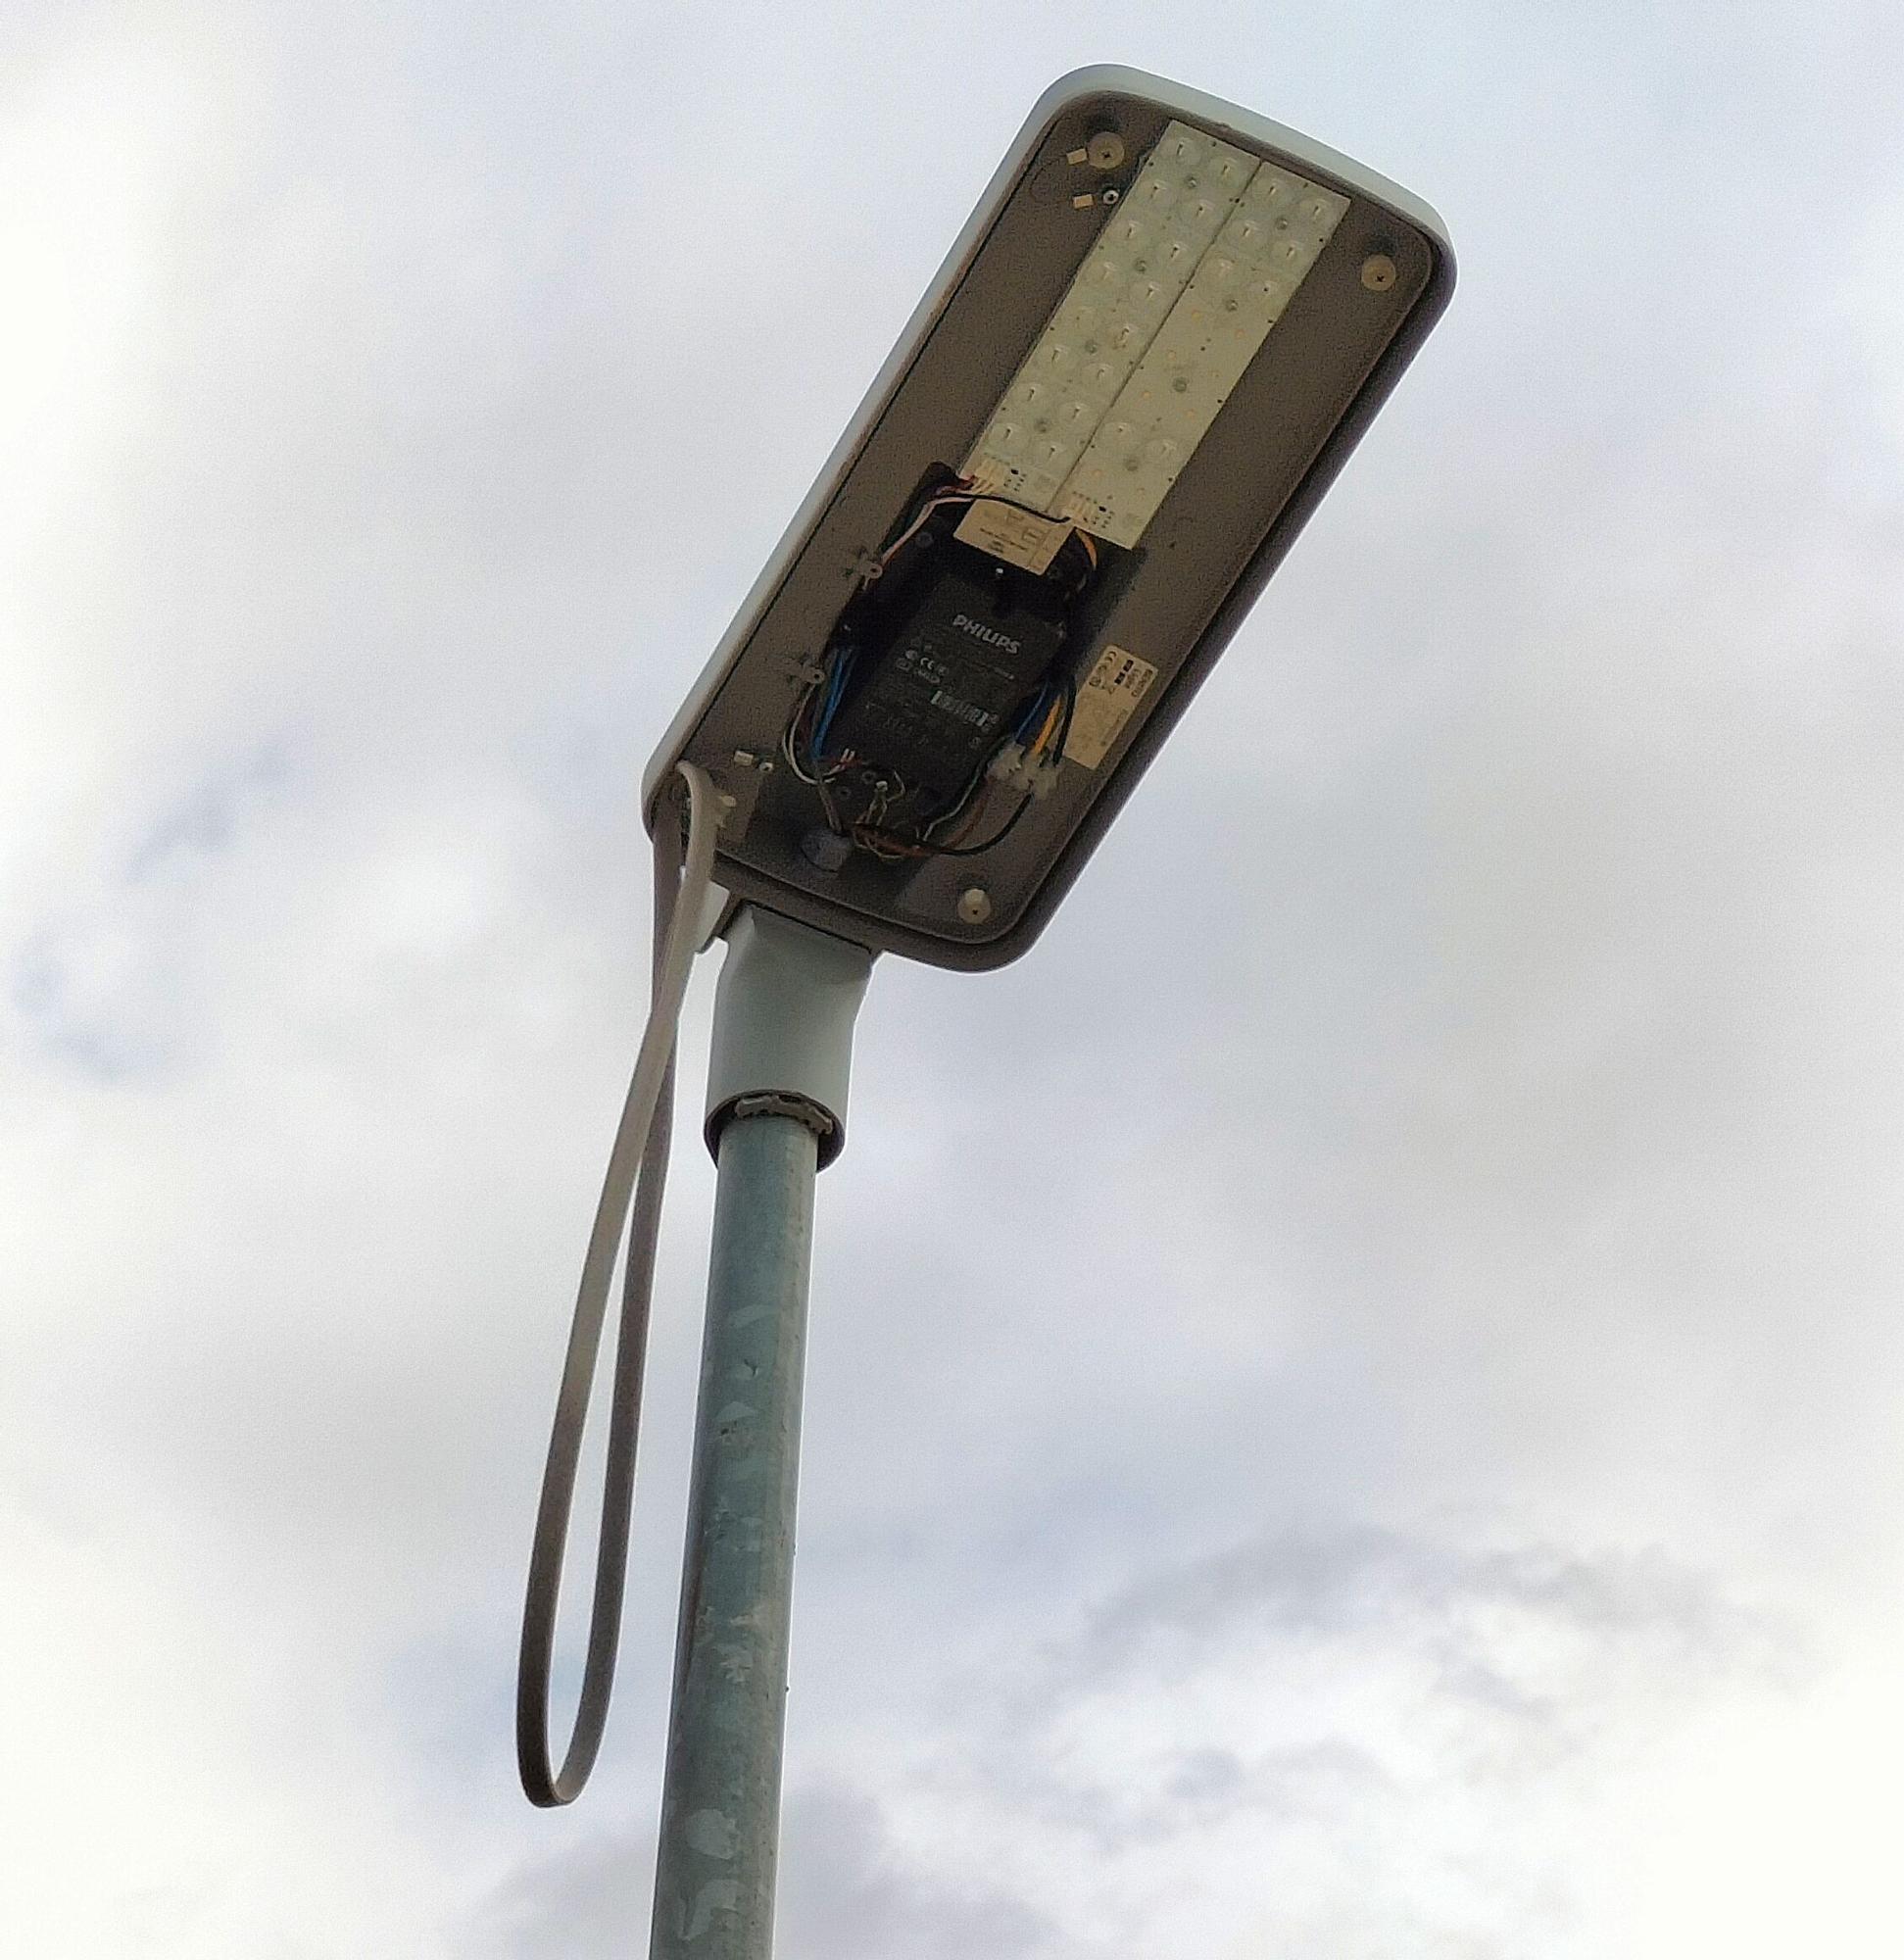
1156 340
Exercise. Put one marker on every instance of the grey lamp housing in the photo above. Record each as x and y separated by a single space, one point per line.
1155 612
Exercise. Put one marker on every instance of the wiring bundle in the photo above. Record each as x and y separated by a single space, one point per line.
937 712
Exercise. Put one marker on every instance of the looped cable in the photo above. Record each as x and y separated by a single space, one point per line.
641 1145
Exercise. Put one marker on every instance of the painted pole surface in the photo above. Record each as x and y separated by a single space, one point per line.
720 1803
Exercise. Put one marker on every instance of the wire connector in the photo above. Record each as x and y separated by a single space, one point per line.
1011 768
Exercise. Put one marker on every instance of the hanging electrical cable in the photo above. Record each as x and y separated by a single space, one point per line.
636 1175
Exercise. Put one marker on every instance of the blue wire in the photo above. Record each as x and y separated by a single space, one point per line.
829 705
1041 704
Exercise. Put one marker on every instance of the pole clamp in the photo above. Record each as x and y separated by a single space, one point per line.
801 1108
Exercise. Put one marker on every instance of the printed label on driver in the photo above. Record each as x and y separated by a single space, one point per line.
1107 699
1019 537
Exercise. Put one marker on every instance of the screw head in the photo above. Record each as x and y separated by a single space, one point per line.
1104 151
975 904
1378 272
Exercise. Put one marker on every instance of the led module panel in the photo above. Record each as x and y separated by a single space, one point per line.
1168 309
1238 292
1122 294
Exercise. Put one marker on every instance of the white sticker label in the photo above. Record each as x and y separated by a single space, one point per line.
1107 699
1019 537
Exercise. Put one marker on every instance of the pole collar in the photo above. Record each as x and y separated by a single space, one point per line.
784 1012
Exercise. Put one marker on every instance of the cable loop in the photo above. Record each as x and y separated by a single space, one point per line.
637 1175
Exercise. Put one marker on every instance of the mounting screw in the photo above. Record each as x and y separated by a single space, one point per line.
1378 272
1104 151
975 904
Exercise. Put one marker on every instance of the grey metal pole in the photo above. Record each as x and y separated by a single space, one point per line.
720 1807
776 1099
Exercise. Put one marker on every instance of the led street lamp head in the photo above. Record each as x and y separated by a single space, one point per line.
1157 339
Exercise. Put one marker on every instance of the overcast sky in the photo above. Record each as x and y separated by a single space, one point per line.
1354 1394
